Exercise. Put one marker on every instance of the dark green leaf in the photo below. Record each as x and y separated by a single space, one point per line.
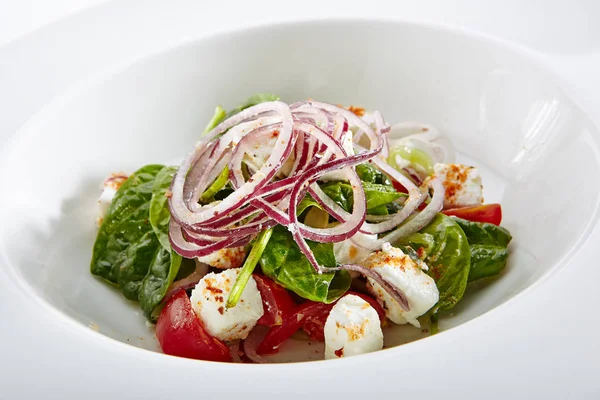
377 195
368 173
488 244
484 233
163 269
125 239
379 210
446 251
487 261
159 208
283 262
307 202
134 265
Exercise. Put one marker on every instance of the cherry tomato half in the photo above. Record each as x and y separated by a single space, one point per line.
279 334
490 213
180 332
309 316
277 302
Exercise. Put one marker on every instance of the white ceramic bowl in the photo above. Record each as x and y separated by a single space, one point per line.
502 112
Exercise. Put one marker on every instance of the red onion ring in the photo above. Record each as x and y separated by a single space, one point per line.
312 134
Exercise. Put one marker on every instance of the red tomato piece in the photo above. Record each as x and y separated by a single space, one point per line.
490 213
277 302
399 188
279 334
180 332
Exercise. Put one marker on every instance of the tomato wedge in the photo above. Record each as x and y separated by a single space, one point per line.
314 326
279 334
490 213
277 302
180 332
309 316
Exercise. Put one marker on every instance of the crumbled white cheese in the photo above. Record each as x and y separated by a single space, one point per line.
407 275
226 258
462 184
209 299
352 328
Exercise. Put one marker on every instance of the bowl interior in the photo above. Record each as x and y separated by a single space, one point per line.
502 113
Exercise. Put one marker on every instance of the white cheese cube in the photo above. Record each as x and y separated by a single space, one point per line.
352 328
225 258
209 299
407 275
462 183
347 252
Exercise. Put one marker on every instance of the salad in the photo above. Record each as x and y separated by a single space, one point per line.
305 217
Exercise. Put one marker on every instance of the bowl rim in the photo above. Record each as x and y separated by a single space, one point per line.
64 98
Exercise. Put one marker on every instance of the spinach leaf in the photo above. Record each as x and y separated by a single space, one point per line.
368 173
252 101
377 195
165 263
159 207
126 244
445 250
305 203
283 262
484 233
161 274
488 244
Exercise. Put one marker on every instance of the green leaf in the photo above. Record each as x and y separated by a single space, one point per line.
484 233
125 243
252 101
377 195
305 203
165 263
418 159
446 251
218 117
159 207
132 248
283 262
379 210
487 261
368 173
488 244
161 274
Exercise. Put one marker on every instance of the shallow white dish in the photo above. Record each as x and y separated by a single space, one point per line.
498 107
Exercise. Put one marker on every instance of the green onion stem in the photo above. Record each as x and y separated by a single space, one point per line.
248 268
217 185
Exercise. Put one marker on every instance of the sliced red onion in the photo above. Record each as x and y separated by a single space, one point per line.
392 290
249 345
413 224
189 281
280 152
310 136
423 218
